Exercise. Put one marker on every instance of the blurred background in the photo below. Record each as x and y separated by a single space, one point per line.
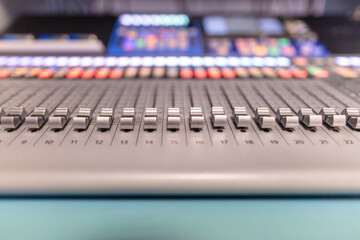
10 9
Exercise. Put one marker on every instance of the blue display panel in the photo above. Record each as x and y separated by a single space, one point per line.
260 47
259 37
143 34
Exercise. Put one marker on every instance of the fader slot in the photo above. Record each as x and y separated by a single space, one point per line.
242 127
103 137
270 133
286 118
216 117
264 120
195 124
152 121
316 134
39 128
82 124
173 127
131 117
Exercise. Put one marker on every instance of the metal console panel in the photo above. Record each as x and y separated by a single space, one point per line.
175 153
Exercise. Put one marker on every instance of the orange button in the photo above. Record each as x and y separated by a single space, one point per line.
229 73
300 73
214 72
74 73
300 61
158 72
186 73
285 73
321 74
116 73
4 73
46 73
89 73
242 72
102 73
200 73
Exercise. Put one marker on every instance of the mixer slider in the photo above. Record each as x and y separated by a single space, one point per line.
331 118
218 117
173 119
263 117
14 118
241 118
2 113
83 119
60 118
37 118
127 119
150 119
197 119
286 118
352 117
105 119
309 118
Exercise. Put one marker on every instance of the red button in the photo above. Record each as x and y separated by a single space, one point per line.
321 74
46 73
186 73
102 73
299 73
214 73
74 73
116 73
200 73
285 73
229 73
4 73
87 74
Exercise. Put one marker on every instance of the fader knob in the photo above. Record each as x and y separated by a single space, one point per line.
150 119
309 118
60 118
2 113
218 117
331 118
352 117
82 119
241 118
105 119
263 117
37 118
286 118
173 119
127 120
14 118
197 119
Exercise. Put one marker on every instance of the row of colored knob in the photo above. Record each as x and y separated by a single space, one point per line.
169 72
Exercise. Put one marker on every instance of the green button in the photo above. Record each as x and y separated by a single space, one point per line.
274 51
313 70
284 41
140 43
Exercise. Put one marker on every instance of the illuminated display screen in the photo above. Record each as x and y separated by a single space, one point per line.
261 47
221 26
177 34
155 34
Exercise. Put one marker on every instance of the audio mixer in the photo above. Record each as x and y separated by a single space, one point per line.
273 114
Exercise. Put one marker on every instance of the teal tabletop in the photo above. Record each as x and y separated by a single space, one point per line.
176 219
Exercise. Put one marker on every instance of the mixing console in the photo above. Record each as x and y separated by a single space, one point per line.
84 119
182 105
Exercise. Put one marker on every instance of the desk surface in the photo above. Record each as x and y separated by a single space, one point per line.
180 219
